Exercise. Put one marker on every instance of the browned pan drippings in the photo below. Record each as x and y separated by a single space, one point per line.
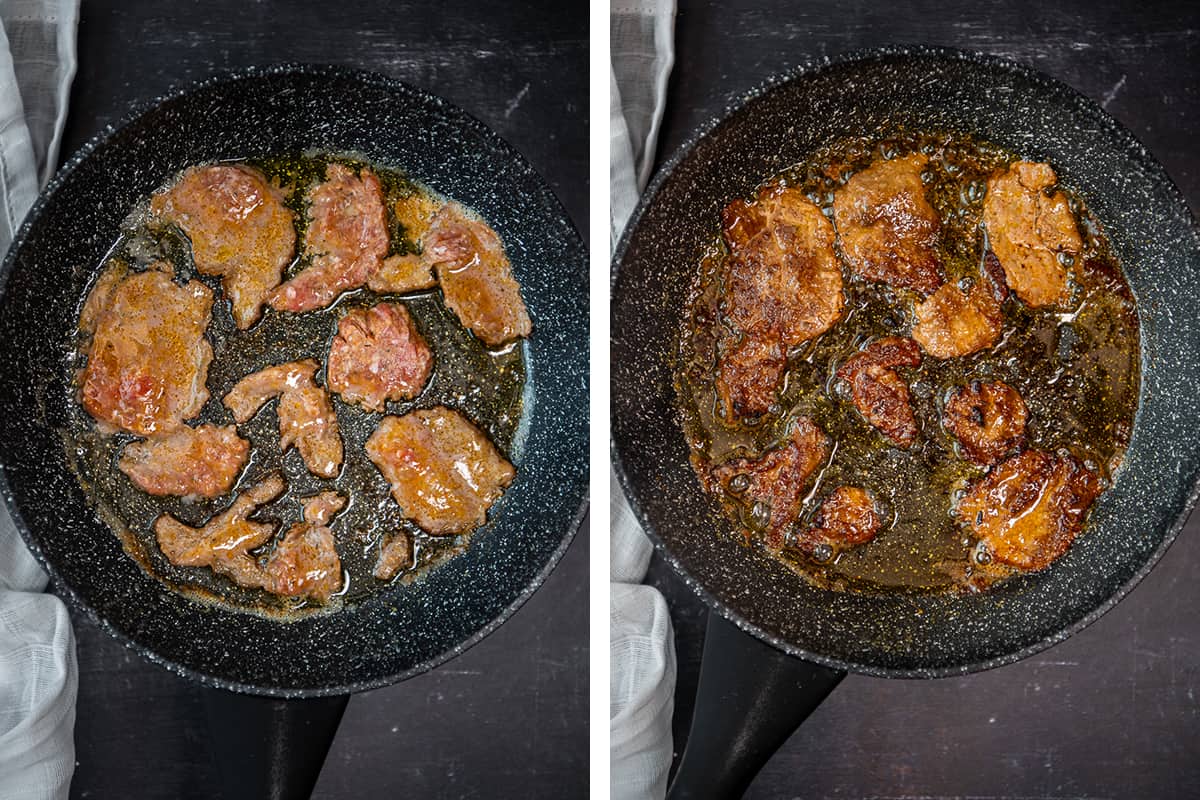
487 385
1077 370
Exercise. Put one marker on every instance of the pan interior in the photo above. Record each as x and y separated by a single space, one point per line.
404 628
879 95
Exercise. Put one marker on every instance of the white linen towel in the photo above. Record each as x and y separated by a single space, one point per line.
641 642
37 650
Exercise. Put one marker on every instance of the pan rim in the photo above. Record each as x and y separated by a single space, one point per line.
135 112
734 104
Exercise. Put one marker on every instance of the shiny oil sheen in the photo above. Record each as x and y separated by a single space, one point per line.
485 385
1078 372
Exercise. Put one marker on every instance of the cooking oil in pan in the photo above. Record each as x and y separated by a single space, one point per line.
1078 373
485 385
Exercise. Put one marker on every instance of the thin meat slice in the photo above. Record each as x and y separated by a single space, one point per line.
476 277
749 375
190 462
395 554
886 226
444 472
1030 231
378 355
783 287
1029 508
346 240
305 563
878 391
846 518
401 274
951 322
415 213
224 542
987 419
306 416
147 361
239 228
772 485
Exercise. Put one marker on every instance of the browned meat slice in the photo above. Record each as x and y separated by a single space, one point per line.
305 563
346 240
988 420
887 229
772 485
782 274
749 374
951 322
402 274
1028 509
846 518
239 228
224 542
476 278
306 416
878 392
1030 231
395 555
444 472
148 359
783 287
378 355
190 462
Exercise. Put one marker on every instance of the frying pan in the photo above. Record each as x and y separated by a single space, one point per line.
400 631
775 645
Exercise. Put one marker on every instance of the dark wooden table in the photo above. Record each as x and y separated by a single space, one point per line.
1113 712
509 717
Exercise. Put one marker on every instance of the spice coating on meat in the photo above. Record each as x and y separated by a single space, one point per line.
190 462
951 323
1029 508
305 563
1028 230
306 416
783 287
846 518
148 359
887 228
378 355
987 419
239 228
394 555
476 277
346 240
401 274
444 472
772 485
224 542
878 392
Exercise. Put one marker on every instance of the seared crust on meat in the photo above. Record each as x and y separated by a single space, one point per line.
1028 509
987 419
951 322
878 392
190 462
1028 229
846 518
772 485
748 375
887 228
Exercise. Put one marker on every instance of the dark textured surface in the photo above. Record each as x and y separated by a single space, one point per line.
1112 712
481 721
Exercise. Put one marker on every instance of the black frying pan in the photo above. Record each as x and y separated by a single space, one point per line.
754 690
403 630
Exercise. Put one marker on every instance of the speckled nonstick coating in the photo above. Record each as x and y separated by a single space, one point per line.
1153 235
402 630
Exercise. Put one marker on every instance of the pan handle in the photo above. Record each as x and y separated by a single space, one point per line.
270 749
751 698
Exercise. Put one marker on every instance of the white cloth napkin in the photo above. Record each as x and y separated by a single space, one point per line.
641 642
37 650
